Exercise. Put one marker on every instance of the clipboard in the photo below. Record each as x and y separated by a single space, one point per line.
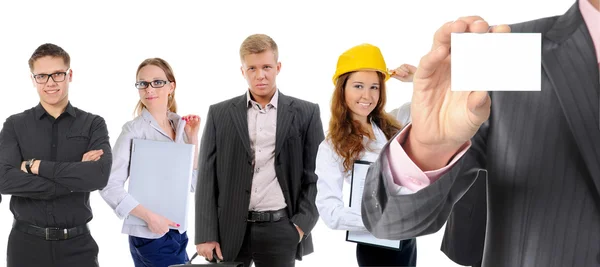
357 182
160 175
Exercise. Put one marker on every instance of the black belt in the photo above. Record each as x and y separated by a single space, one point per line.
51 233
266 216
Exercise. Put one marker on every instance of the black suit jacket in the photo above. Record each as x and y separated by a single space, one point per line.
540 153
226 171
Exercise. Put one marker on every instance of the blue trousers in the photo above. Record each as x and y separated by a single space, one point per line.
160 252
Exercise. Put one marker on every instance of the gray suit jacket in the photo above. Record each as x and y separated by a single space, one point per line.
225 171
540 153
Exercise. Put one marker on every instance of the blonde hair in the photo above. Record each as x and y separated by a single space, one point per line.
161 63
256 44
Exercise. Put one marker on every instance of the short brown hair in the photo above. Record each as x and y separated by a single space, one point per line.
161 63
256 44
51 50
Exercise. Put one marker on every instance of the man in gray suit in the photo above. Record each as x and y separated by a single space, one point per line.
255 199
539 152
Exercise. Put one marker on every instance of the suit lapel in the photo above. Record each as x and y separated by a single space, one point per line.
285 116
569 59
239 115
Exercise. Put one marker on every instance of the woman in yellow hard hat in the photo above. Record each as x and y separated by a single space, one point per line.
358 129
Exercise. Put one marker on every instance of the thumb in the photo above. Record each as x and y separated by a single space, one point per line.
479 103
218 250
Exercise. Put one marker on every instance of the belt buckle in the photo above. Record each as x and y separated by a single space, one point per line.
257 216
49 235
53 233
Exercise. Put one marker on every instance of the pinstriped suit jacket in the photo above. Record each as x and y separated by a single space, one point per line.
540 153
225 171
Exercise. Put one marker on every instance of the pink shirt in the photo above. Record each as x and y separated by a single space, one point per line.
262 124
591 16
407 174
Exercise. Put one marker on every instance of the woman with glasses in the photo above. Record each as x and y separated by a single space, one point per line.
156 119
358 129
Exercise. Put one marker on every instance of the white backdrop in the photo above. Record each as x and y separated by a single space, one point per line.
200 39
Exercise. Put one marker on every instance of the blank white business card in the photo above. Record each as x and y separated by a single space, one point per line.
496 61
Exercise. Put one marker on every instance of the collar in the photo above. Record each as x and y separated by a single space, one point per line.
40 111
273 101
147 116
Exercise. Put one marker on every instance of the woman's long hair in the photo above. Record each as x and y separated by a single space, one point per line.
346 134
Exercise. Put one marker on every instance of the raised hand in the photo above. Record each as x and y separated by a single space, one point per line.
404 73
444 120
192 126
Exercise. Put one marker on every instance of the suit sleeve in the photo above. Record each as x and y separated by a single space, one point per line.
464 237
405 216
307 214
206 188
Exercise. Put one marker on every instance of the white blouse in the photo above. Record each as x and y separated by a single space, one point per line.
331 177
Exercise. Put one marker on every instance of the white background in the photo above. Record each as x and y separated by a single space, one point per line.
200 39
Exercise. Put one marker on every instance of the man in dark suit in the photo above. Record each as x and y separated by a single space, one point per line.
255 200
539 152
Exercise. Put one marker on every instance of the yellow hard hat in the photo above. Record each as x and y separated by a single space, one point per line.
361 57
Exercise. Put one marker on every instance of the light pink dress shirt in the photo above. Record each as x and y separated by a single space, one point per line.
262 124
408 175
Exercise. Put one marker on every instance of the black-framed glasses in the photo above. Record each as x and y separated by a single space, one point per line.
155 84
56 77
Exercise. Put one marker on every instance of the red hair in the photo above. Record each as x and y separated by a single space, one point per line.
346 134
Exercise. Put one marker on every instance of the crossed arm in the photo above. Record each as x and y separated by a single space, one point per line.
53 179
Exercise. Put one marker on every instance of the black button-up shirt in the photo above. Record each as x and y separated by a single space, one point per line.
59 195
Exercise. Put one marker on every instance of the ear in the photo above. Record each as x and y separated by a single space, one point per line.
70 74
242 70
278 67
173 85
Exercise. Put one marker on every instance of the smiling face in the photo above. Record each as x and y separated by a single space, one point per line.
156 95
362 94
51 77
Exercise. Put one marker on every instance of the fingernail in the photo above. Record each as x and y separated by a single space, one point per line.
178 225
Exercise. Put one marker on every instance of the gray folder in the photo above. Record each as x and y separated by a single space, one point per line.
160 178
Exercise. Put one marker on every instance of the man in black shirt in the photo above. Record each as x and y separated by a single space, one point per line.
51 157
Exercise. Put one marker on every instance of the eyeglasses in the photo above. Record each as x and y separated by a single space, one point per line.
155 84
56 77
